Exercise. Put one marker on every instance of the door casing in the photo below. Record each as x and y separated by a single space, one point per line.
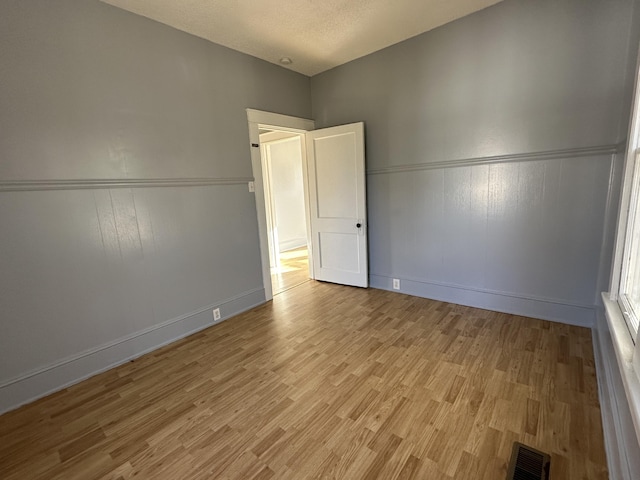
257 120
274 121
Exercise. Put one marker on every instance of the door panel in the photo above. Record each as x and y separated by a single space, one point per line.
338 204
336 172
335 248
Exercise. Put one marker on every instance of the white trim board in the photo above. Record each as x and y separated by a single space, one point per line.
279 121
579 152
623 349
623 452
292 244
69 371
545 309
94 183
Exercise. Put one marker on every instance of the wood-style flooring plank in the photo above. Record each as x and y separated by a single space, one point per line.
327 382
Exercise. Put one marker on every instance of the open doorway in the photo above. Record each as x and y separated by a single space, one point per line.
268 122
333 171
284 195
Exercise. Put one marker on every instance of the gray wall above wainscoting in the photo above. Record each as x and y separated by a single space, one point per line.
490 145
124 209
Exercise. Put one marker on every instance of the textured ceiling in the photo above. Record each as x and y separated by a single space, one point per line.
316 34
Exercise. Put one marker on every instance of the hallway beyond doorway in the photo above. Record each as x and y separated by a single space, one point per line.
292 271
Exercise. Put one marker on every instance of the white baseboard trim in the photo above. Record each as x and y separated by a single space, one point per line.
621 445
544 309
292 244
61 374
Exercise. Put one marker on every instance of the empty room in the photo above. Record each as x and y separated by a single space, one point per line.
341 239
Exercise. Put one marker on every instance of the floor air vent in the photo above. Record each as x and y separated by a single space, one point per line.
528 464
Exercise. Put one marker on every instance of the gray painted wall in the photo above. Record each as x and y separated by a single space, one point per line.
490 143
93 97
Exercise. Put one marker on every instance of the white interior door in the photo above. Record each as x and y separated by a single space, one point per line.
337 195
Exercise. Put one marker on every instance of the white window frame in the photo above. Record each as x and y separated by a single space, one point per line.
627 348
631 193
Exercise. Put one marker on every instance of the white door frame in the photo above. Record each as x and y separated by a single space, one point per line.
274 121
274 252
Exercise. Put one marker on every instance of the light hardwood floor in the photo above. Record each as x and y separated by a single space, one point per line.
327 382
293 270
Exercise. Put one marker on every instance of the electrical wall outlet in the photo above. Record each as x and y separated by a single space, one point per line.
252 187
216 314
396 284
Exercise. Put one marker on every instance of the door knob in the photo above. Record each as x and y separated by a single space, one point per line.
358 225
